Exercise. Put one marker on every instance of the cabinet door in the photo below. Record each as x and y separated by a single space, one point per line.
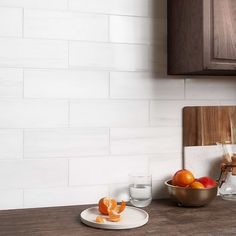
220 34
224 29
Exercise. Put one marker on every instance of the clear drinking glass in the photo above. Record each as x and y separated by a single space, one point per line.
140 189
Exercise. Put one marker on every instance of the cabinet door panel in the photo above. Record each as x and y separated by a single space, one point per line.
224 29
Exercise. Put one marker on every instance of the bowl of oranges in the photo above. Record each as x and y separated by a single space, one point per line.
186 190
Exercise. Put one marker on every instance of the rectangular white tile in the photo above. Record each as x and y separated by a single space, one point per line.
217 88
65 25
109 113
64 196
33 113
33 173
145 140
164 165
10 22
119 7
126 29
65 84
65 142
11 144
104 170
11 83
89 171
203 160
169 113
11 199
109 56
131 164
33 53
45 4
136 85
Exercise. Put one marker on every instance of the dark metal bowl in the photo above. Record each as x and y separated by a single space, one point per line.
190 196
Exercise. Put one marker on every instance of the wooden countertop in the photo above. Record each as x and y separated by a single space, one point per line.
218 218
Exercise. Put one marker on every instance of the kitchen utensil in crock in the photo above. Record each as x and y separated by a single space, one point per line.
227 179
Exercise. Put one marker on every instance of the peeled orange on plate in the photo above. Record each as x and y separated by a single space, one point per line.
110 210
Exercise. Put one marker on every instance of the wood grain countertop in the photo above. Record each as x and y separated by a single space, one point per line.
218 218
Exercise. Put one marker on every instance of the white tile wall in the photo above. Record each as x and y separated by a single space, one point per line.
65 84
47 4
85 100
85 171
48 143
33 173
11 22
11 199
11 141
120 7
138 85
25 113
65 25
112 113
64 196
126 29
33 53
169 113
109 56
11 83
145 140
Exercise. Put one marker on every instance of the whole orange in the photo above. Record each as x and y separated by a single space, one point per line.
196 184
183 178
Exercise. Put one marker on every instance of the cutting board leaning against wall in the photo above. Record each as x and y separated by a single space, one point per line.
203 127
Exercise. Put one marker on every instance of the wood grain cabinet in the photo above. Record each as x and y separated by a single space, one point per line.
202 37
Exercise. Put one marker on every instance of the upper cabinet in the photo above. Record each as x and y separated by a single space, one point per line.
202 37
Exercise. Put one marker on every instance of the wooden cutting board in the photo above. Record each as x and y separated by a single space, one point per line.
207 125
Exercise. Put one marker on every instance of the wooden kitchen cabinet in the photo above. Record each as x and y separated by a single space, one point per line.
202 37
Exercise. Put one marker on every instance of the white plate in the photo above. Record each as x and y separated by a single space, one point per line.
131 218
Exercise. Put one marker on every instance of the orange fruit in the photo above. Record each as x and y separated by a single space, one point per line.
100 219
183 178
114 216
106 205
120 208
196 184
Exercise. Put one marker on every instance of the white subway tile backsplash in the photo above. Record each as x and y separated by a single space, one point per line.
11 83
64 196
85 100
145 140
33 53
164 165
65 84
126 29
169 113
10 22
11 199
109 56
33 173
65 142
109 113
105 170
33 113
136 85
202 88
89 171
65 25
119 7
46 4
11 144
